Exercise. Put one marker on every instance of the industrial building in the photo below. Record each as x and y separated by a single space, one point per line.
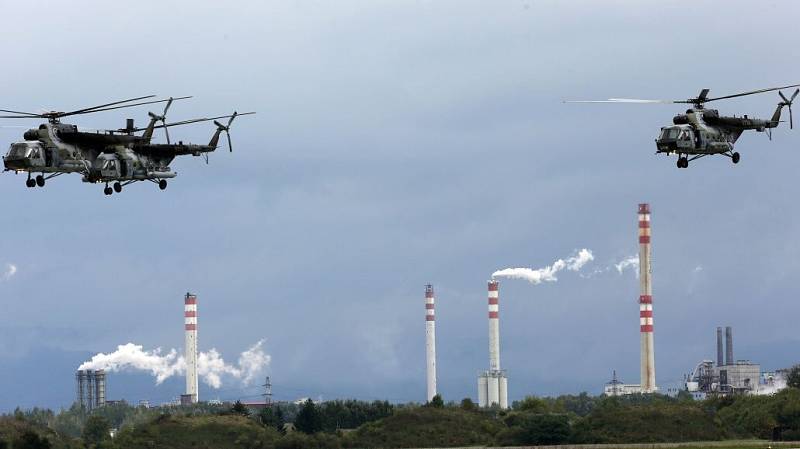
430 341
728 376
190 348
493 383
90 389
617 388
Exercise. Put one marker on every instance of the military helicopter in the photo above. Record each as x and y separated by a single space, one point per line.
106 156
704 132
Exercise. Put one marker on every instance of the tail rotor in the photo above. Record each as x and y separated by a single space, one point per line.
788 103
227 129
163 117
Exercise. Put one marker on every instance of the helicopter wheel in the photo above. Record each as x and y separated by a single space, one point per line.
162 184
117 187
40 181
108 190
30 183
683 162
735 158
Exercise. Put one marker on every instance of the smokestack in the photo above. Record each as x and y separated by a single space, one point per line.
648 364
430 340
728 345
190 324
494 327
493 384
719 346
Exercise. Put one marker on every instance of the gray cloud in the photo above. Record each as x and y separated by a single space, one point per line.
400 143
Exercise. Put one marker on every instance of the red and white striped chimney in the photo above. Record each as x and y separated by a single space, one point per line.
648 364
494 327
430 340
190 325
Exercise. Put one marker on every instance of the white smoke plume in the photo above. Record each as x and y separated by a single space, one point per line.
631 262
210 365
11 270
547 274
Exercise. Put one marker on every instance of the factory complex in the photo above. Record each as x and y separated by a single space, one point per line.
725 376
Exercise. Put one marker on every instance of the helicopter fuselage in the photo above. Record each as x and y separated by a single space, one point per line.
101 156
704 131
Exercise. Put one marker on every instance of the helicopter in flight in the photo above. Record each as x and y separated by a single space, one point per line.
120 156
704 132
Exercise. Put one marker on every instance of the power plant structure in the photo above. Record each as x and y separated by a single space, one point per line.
493 383
91 389
430 340
728 376
190 348
648 362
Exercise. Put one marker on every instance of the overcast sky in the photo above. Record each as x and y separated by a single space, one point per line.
399 143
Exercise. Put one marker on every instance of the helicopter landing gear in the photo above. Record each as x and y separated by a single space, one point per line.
40 181
735 158
108 190
683 162
162 184
117 187
30 183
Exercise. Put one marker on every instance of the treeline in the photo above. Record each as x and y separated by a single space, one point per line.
569 419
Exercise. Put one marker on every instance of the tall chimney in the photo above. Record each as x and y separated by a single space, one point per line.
430 340
719 347
728 345
494 327
190 325
648 363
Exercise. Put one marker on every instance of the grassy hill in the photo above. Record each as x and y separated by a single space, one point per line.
426 427
198 432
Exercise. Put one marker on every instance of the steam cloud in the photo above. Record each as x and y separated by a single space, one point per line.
547 274
631 262
211 366
11 270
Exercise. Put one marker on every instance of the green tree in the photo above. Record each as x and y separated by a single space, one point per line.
96 430
468 405
32 440
240 409
308 419
436 402
272 417
793 377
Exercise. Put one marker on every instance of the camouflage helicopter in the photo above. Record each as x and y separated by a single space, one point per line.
106 156
704 132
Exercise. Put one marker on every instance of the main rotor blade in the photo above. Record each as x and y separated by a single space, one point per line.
123 106
624 100
32 114
195 120
752 92
78 111
21 116
230 146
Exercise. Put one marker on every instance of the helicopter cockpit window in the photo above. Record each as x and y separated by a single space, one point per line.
670 134
18 150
